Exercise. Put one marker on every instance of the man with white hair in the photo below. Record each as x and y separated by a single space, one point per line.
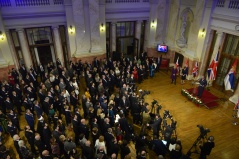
16 139
25 152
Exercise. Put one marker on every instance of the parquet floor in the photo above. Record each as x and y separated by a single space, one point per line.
188 116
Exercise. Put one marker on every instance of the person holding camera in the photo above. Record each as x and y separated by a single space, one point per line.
207 147
156 125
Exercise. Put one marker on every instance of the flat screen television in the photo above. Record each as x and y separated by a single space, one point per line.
162 48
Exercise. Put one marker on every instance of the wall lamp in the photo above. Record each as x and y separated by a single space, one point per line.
203 32
1 35
71 29
153 24
102 27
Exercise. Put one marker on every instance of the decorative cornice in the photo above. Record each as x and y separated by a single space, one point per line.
225 18
38 15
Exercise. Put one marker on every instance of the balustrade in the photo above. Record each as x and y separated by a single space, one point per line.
233 4
22 3
58 2
220 3
5 3
127 1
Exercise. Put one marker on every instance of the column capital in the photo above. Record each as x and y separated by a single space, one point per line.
55 27
20 30
113 23
219 32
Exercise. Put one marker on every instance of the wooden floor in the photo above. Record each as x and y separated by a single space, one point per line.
188 116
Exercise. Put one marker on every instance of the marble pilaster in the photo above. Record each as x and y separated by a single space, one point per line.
11 49
138 33
196 26
161 17
173 22
82 35
113 36
94 12
152 23
24 46
58 46
146 32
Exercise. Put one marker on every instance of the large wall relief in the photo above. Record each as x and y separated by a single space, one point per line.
186 18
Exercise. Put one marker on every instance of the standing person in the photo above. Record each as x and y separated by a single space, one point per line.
183 75
207 147
174 75
202 85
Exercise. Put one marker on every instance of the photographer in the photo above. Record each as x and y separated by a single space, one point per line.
207 147
156 125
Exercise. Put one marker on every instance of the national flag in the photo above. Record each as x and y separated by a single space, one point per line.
230 77
177 64
212 69
187 66
195 70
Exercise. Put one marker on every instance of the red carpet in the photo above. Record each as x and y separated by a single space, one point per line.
208 99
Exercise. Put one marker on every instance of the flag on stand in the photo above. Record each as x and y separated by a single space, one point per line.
195 70
177 65
236 106
187 66
212 69
230 77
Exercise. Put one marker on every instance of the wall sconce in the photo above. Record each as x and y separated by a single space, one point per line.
102 27
1 35
203 32
153 24
71 29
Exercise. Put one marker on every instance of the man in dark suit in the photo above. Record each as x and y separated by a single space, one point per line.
17 101
23 71
88 152
16 139
76 128
41 70
9 104
202 85
11 129
30 119
124 126
30 138
84 129
14 119
156 125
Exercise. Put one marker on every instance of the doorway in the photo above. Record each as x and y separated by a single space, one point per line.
128 46
44 52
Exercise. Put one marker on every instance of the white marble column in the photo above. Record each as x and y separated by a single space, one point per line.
58 46
146 34
25 49
102 21
11 47
138 33
113 36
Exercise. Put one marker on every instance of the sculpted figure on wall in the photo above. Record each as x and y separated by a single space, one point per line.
186 19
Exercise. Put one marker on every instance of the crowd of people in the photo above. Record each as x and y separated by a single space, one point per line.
52 101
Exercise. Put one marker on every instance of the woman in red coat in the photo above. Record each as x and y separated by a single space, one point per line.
11 79
135 73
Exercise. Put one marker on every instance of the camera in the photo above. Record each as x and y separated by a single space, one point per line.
167 114
203 131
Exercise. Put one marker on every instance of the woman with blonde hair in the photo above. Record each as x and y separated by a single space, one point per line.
100 143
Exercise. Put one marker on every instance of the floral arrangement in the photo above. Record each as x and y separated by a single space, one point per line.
190 97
